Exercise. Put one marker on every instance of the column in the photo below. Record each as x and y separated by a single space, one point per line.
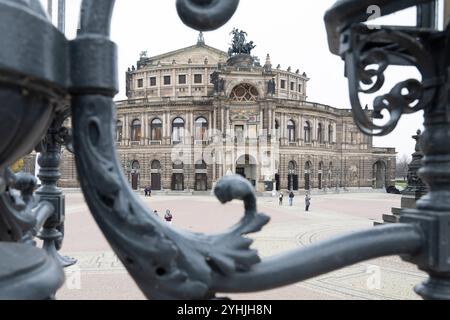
261 121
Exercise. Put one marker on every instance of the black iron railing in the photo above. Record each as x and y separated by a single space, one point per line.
171 264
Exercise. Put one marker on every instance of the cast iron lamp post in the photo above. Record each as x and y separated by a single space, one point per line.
167 263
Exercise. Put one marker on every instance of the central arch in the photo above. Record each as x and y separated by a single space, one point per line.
246 166
244 92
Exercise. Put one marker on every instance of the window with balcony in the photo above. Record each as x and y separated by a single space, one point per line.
136 130
177 130
291 131
330 133
320 133
307 132
201 128
156 130
119 131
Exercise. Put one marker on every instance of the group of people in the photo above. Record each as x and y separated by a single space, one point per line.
291 199
168 216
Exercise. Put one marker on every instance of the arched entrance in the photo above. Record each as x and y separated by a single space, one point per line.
308 168
320 175
246 167
330 175
135 175
292 176
379 175
178 176
156 175
201 176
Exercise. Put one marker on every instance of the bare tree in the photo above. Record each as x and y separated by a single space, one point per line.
402 166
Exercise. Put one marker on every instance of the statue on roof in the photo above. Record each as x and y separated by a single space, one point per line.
201 39
239 43
143 54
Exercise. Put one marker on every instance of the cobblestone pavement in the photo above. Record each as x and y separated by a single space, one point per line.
100 275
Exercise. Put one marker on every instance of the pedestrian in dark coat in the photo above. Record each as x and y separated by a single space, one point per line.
307 202
291 198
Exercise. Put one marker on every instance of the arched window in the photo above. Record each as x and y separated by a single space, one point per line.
119 131
156 130
292 167
178 165
308 166
330 133
178 130
330 173
201 127
156 165
320 175
135 165
307 132
201 165
244 93
291 131
136 132
292 176
308 176
277 129
320 133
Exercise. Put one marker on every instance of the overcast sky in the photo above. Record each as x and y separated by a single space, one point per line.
291 31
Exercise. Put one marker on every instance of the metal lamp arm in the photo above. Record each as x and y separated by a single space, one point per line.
171 264
324 257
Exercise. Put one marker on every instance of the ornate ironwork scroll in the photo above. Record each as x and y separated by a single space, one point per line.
172 264
167 263
428 50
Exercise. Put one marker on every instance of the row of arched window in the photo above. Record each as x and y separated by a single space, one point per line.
307 132
201 128
156 130
292 166
176 165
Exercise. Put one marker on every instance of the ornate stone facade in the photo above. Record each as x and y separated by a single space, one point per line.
195 115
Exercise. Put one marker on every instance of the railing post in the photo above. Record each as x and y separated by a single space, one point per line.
49 161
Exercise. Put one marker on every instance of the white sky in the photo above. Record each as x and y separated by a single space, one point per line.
291 31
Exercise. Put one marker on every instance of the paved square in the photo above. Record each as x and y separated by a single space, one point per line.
102 276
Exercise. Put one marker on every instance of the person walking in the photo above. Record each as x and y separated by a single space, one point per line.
146 191
280 198
291 198
149 189
168 217
307 201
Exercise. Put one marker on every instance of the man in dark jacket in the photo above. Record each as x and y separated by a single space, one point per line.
291 198
307 201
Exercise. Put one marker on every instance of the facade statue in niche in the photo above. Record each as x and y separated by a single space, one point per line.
219 83
271 87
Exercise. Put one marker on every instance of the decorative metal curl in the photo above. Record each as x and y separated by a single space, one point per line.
383 48
206 15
